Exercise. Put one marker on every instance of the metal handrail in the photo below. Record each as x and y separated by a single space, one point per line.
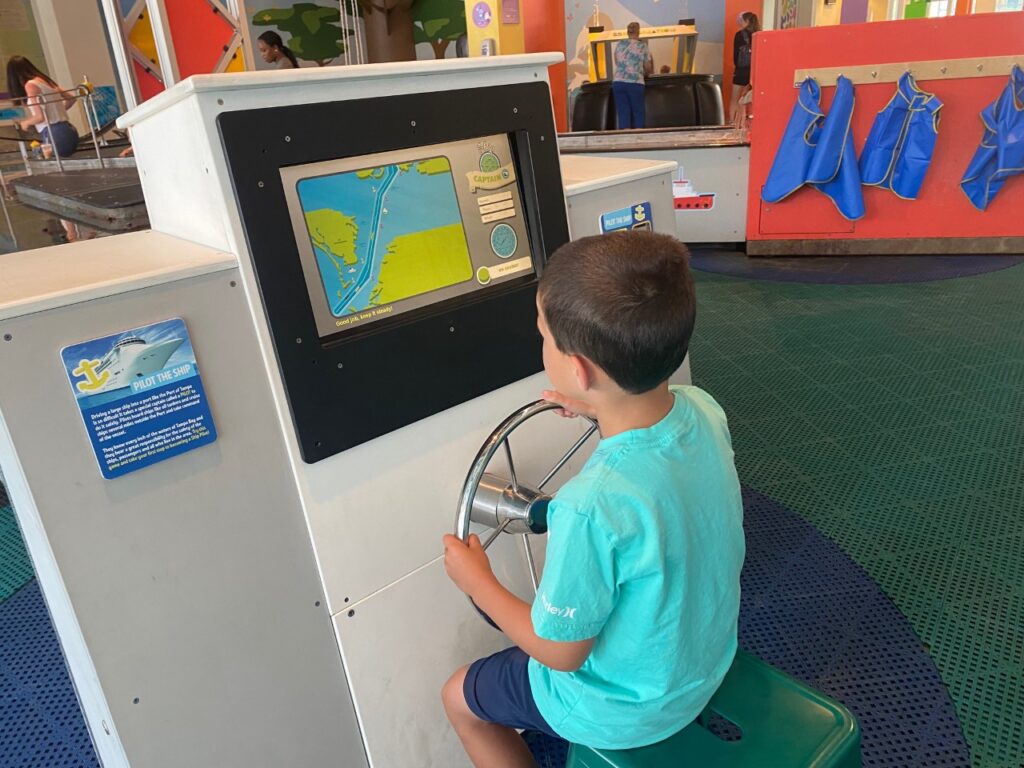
82 94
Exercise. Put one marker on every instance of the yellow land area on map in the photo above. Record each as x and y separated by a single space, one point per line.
434 166
422 262
370 173
335 234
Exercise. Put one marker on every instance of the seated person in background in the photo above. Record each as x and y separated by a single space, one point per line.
632 64
46 103
273 51
634 624
665 70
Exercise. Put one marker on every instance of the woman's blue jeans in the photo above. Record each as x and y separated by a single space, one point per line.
63 137
629 104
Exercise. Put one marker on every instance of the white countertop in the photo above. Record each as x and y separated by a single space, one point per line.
46 278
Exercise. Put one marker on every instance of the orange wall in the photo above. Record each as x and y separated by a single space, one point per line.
942 209
545 31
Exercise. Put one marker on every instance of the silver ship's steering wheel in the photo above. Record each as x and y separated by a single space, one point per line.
510 505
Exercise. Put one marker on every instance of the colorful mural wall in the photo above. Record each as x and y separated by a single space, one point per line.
616 14
437 26
318 33
312 31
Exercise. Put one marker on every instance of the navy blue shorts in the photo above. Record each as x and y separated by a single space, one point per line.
497 690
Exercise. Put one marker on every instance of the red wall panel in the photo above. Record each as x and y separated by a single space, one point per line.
199 35
941 210
149 86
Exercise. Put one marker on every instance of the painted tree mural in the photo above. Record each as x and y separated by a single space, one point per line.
315 34
389 31
439 22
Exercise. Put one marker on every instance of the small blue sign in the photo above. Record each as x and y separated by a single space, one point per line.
635 217
140 395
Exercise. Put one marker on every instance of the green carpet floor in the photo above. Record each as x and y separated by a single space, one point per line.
15 567
892 417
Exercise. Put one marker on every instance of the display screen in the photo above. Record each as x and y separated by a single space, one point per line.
381 235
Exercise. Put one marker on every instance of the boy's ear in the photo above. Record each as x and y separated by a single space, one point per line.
583 370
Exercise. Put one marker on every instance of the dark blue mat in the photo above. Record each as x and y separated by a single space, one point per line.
847 270
811 611
41 725
807 608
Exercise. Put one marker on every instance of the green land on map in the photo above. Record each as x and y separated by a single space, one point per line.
335 234
423 262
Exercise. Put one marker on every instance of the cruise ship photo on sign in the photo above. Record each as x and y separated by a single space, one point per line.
133 358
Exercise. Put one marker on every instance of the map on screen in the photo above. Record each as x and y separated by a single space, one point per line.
385 234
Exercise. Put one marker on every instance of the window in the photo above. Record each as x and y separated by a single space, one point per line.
1009 5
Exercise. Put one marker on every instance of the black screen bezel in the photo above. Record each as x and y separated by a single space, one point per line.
356 385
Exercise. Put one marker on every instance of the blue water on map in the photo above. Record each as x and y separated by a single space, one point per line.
399 203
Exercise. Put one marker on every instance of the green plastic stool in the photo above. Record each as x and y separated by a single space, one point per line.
784 725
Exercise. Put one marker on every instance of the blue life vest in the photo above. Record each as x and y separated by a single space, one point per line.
1001 154
818 150
899 148
793 158
834 166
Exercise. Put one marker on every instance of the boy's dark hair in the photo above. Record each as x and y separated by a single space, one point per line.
625 301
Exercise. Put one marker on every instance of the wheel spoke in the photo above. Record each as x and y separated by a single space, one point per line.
532 563
569 454
511 464
497 532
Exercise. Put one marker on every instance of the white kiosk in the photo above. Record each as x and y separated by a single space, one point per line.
352 256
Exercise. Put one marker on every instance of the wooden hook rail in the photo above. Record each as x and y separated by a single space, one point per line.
953 69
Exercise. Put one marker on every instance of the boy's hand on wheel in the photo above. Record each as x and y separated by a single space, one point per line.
466 563
570 408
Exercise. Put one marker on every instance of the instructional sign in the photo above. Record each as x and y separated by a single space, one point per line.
635 217
140 395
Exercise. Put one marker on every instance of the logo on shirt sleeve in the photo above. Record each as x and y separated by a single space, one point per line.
554 610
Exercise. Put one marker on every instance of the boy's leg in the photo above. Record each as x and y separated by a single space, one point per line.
488 745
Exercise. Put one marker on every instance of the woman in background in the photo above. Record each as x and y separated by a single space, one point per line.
273 51
46 103
742 47
633 63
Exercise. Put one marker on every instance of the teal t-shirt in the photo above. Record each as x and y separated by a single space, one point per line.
645 547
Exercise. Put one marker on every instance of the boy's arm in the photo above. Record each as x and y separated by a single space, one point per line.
469 568
513 616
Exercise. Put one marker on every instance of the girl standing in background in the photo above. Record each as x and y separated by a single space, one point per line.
742 47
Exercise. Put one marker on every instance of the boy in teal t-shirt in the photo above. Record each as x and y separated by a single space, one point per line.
634 624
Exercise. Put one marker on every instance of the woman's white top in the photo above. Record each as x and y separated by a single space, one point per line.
52 103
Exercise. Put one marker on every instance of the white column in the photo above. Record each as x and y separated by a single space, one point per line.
164 43
122 59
